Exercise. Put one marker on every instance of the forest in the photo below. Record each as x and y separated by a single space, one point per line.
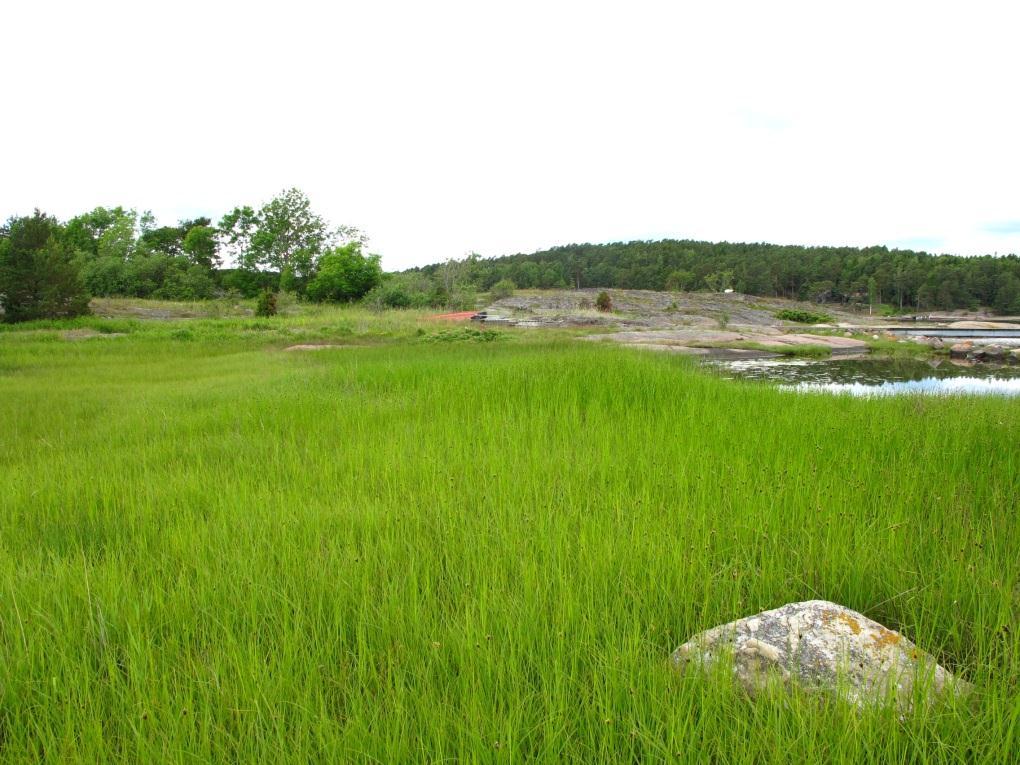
902 279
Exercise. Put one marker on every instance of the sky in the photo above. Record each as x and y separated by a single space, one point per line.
444 128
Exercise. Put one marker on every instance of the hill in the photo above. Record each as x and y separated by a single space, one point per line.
846 275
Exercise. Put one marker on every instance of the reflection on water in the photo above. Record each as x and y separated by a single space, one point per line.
878 377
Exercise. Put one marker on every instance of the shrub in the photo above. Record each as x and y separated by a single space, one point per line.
803 317
39 278
266 305
603 302
504 288
344 274
247 282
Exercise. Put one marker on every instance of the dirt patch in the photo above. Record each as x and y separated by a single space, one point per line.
315 347
457 316
688 340
88 334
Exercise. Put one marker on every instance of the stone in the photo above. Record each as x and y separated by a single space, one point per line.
994 352
822 647
960 350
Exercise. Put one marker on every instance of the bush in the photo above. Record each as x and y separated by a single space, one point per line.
104 276
504 288
803 317
603 302
39 278
194 283
344 274
247 282
266 305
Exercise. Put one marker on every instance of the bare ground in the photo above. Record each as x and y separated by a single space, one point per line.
687 322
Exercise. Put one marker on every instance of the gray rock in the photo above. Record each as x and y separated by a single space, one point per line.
822 646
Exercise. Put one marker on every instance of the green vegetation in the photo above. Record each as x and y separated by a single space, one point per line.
902 348
464 334
286 246
603 302
502 289
803 317
52 270
872 276
37 276
213 550
266 304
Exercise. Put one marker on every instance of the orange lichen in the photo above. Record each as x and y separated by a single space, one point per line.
886 638
849 621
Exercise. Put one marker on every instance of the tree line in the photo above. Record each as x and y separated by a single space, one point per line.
50 268
903 279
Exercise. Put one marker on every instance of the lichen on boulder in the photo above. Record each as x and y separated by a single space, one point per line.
822 646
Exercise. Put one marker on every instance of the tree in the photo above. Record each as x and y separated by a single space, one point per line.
1007 296
287 234
502 289
679 280
200 245
82 232
719 281
118 239
284 235
344 274
604 302
237 229
38 275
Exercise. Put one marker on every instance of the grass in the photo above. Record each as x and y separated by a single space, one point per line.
903 349
212 551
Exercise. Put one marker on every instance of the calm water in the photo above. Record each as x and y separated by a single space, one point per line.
878 377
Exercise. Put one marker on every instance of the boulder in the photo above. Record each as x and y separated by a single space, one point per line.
1014 356
994 352
960 350
823 647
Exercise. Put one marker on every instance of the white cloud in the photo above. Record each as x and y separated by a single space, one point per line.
440 128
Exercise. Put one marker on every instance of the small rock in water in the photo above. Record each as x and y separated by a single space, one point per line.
822 646
960 350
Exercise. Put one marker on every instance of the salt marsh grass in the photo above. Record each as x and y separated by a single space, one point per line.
402 550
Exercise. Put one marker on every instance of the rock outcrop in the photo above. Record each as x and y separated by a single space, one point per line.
822 646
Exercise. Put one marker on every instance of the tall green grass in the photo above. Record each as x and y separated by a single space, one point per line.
215 551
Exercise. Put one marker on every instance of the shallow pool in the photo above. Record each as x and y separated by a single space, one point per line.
877 377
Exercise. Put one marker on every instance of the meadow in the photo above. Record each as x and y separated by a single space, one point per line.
437 545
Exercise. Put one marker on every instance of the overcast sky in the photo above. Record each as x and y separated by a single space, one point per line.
441 128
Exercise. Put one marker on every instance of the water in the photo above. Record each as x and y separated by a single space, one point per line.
877 377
